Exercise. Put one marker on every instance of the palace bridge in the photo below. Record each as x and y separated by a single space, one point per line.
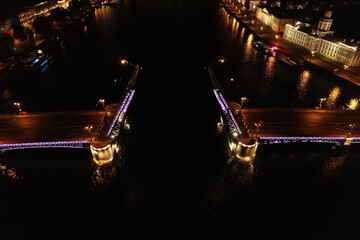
245 128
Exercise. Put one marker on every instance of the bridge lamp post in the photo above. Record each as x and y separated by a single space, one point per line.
221 60
89 129
18 105
101 102
321 102
258 125
243 99
351 125
124 61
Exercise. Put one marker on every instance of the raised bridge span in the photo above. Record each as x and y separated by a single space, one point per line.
99 130
246 128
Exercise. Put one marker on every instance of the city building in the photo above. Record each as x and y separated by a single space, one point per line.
28 16
276 23
321 40
6 22
252 3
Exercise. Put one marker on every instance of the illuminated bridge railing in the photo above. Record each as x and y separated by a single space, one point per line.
122 111
356 140
59 144
234 127
272 140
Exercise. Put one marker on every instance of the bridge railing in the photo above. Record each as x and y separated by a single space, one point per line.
271 140
232 122
119 117
59 144
130 91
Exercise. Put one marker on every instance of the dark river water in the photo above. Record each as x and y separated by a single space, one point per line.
174 178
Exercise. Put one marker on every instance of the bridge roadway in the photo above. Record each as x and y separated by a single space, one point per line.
51 127
301 122
61 129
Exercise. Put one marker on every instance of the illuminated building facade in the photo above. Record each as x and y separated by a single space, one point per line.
322 41
5 23
27 17
252 3
276 23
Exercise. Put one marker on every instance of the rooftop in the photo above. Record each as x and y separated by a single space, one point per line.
12 7
283 13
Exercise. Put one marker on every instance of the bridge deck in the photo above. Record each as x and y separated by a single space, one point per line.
52 127
298 123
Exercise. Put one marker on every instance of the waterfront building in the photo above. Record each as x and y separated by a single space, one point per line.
252 3
275 22
6 22
28 16
321 40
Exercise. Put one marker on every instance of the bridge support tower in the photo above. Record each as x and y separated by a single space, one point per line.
103 152
245 149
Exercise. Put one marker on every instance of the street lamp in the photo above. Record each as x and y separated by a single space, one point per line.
258 125
18 105
243 99
101 103
321 102
351 125
124 61
89 129
221 60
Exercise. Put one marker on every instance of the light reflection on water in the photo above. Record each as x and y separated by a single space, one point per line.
103 176
235 26
303 83
9 174
248 48
242 35
235 177
332 166
333 97
269 71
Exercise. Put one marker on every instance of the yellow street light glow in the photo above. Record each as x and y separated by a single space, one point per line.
123 61
40 51
221 60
